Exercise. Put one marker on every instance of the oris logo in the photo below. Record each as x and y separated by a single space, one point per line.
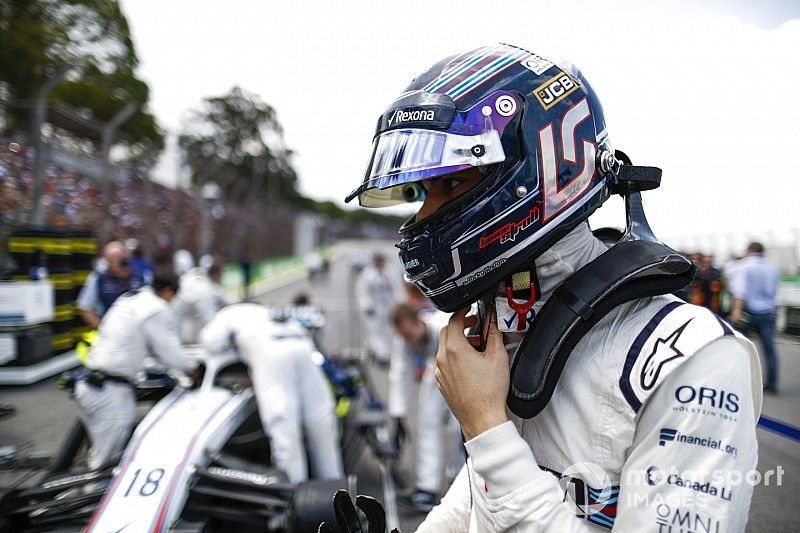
536 64
708 397
414 115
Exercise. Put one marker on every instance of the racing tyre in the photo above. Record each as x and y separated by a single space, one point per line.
74 450
313 503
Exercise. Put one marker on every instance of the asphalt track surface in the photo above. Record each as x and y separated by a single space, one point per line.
43 412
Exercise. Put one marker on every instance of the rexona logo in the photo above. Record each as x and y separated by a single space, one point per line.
656 477
555 89
673 435
510 231
708 397
412 115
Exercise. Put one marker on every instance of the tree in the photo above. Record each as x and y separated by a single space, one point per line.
237 141
36 36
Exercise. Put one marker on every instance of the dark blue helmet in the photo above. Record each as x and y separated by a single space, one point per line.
536 131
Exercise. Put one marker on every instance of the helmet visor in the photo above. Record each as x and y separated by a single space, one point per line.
429 146
401 158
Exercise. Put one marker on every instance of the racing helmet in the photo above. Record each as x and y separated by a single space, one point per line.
535 130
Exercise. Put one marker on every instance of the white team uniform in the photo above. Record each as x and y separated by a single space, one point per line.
377 293
652 420
138 324
439 448
291 390
196 303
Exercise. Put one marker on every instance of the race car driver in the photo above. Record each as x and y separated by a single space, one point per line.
138 323
292 393
655 407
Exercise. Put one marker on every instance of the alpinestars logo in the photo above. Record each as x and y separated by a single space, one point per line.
673 435
663 352
510 231
415 115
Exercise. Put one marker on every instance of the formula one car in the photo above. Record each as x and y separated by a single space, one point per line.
196 462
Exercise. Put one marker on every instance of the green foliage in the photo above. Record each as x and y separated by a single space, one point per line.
331 210
36 36
237 141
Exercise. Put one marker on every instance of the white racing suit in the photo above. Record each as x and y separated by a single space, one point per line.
651 427
439 449
292 393
138 324
376 295
196 303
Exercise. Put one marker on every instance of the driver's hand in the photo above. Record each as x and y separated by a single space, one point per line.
474 384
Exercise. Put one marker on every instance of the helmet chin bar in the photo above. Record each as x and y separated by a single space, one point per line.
638 266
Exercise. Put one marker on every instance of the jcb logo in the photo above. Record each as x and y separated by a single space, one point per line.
555 89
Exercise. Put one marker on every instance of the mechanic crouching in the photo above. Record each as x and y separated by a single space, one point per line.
292 393
137 324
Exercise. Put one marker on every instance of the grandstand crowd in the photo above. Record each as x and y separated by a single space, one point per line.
162 218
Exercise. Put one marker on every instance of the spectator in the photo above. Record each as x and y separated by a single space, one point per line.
754 288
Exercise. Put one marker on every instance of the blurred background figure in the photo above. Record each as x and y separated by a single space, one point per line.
138 324
359 260
293 395
246 264
112 277
377 292
754 287
314 264
182 261
199 298
707 285
141 266
439 450
206 261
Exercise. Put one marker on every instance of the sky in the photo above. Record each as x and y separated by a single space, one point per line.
708 91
